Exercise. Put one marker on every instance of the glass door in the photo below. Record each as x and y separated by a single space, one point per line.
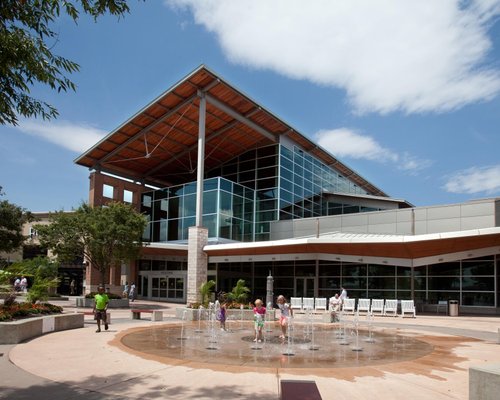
167 288
304 287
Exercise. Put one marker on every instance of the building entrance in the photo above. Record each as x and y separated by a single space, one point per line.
164 288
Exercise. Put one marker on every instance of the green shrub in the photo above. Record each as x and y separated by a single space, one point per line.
110 295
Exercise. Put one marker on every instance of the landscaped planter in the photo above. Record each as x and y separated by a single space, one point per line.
17 331
113 303
191 314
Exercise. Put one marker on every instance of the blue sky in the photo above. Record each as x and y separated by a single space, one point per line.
406 93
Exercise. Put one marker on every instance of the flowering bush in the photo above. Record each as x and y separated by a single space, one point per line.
24 310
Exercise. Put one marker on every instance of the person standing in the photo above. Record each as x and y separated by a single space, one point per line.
335 303
100 308
343 294
23 284
17 285
125 290
72 287
259 313
285 314
131 293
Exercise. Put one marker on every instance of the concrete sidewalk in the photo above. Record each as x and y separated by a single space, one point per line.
80 364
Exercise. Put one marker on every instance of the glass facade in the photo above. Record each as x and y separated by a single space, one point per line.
471 282
227 211
243 196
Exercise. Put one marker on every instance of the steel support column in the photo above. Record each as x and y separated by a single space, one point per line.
201 159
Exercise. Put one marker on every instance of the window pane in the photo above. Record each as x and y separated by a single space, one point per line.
478 283
107 191
353 269
380 270
327 268
452 268
448 283
128 196
478 268
210 202
478 299
381 283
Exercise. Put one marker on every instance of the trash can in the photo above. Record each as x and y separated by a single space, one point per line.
453 308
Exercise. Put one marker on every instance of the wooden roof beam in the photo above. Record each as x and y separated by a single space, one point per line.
147 128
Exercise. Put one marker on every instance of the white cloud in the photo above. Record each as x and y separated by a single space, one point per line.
349 143
75 137
388 55
475 180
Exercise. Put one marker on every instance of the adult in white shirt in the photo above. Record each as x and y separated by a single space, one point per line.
343 294
335 302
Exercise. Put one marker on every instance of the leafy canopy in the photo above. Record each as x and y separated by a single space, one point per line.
43 273
26 43
105 236
12 219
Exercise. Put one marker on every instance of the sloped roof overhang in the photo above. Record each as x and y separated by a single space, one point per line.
158 145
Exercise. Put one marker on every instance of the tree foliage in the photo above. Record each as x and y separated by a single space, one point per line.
27 38
43 273
105 236
205 291
239 294
12 219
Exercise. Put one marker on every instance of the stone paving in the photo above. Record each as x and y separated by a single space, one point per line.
78 364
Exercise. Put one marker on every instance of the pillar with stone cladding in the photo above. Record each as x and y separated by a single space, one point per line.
197 263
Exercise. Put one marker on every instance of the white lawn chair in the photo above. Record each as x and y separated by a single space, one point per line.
377 307
296 303
308 303
391 308
320 303
408 307
349 306
364 305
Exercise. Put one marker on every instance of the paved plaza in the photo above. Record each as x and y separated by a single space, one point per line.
81 364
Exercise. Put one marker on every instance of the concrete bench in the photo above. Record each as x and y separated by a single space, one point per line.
299 390
156 315
484 382
108 315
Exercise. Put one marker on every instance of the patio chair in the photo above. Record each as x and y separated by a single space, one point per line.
364 305
296 303
391 307
349 306
320 303
377 306
408 307
308 303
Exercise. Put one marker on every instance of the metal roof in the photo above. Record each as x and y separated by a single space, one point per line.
158 145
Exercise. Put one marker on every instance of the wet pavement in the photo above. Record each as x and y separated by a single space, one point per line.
83 364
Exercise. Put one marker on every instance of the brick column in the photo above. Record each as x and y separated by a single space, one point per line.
197 262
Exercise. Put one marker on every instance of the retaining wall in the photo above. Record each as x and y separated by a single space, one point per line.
18 331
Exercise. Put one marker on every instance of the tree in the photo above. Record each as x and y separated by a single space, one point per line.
239 293
105 236
43 273
26 57
205 290
12 219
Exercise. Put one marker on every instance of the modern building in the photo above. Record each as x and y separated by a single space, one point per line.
231 191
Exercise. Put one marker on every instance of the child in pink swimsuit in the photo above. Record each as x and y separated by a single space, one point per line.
259 314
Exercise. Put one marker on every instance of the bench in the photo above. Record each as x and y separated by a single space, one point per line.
156 315
299 390
108 315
